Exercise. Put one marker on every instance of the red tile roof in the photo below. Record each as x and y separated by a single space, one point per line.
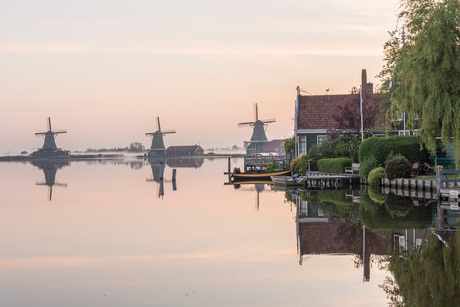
271 146
315 111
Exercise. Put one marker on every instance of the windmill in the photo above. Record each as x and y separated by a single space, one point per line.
258 135
158 146
49 146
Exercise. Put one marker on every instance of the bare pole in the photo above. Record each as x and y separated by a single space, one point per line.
361 112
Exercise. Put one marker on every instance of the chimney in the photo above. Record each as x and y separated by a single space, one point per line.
364 84
363 78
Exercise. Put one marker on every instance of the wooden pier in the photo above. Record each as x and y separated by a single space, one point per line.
317 180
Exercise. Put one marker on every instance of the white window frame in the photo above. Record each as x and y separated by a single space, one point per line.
302 145
320 138
403 132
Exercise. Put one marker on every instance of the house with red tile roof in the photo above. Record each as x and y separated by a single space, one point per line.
314 115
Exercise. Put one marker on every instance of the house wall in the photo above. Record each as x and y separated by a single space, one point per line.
308 139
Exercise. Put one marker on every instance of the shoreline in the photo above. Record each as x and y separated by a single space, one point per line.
92 156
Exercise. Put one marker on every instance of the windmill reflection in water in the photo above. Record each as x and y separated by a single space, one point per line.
158 167
50 167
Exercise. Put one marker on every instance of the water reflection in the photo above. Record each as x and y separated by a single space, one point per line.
106 235
158 169
415 239
427 275
257 186
328 223
50 168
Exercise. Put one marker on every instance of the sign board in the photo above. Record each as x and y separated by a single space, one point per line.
453 206
454 193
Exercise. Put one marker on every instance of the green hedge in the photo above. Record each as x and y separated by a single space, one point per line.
381 147
334 165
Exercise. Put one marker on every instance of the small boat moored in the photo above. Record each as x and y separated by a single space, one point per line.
257 175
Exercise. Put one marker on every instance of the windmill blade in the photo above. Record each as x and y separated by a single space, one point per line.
59 131
168 131
158 124
256 115
40 133
60 184
245 124
266 121
149 133
49 123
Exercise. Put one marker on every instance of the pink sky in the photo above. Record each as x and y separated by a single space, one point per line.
104 70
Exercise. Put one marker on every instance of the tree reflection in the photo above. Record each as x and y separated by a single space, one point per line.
427 277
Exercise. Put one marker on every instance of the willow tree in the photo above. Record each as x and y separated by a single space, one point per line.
422 71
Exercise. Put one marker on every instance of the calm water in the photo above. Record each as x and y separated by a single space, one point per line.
108 238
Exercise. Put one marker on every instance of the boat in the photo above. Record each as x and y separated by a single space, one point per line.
258 175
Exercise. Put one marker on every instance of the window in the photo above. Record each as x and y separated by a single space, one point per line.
302 145
320 138
403 132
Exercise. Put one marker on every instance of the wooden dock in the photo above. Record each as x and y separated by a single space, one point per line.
317 180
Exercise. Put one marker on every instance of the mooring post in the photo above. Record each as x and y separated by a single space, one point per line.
438 180
174 174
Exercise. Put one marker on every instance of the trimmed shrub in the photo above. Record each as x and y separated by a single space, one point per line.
367 166
376 175
398 167
334 165
380 148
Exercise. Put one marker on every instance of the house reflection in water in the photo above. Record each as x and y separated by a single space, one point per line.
50 167
185 162
317 234
396 225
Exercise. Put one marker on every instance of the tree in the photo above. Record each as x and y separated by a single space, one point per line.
136 147
422 71
348 119
289 145
348 115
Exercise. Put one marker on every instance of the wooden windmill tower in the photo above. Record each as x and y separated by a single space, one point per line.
49 148
158 146
258 134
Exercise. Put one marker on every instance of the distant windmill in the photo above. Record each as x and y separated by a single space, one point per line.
50 135
259 126
158 146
